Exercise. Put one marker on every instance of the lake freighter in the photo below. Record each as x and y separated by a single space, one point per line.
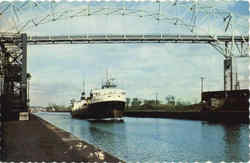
107 102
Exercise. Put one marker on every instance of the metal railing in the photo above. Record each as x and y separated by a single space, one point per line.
132 38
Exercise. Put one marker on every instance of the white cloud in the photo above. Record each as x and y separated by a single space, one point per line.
141 69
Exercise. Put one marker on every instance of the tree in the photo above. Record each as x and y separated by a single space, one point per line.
149 102
158 102
127 101
180 102
28 76
136 102
170 99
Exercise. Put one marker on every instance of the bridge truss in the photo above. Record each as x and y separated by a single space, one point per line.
13 81
14 73
193 16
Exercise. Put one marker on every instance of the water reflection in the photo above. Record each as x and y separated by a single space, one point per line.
233 146
232 137
111 135
71 127
148 139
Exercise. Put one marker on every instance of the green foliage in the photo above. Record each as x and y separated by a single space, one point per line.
172 105
180 102
28 76
170 99
158 102
128 101
149 102
136 102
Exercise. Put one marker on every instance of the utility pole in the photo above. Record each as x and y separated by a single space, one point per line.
202 84
156 98
237 84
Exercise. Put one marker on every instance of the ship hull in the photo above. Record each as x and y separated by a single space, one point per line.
101 110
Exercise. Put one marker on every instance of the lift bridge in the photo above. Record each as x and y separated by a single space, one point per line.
14 78
13 51
13 46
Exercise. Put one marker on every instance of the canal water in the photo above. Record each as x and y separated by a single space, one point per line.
149 139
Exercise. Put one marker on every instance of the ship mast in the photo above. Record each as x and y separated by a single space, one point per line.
85 88
83 95
107 74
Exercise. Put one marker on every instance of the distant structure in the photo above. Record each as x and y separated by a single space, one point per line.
235 100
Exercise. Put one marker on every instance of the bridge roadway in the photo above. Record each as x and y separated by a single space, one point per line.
147 38
115 38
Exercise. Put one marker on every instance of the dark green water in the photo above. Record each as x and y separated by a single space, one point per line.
148 139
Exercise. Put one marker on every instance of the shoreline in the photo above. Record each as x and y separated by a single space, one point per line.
38 140
226 116
216 116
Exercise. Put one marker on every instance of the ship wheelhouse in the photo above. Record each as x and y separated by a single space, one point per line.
108 92
105 102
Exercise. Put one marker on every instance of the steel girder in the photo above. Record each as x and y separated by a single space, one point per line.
13 74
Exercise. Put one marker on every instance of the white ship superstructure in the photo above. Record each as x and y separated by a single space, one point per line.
82 104
106 102
108 94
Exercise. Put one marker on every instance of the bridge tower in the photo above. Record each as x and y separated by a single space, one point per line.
13 73
228 74
231 49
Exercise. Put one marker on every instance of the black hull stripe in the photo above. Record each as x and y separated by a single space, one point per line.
101 110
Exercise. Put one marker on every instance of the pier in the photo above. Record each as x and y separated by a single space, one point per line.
37 140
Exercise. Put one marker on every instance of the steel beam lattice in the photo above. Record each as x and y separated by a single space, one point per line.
13 74
13 87
147 38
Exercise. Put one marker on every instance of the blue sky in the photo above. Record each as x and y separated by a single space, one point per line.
141 69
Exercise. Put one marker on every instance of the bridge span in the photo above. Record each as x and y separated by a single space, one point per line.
147 38
123 38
